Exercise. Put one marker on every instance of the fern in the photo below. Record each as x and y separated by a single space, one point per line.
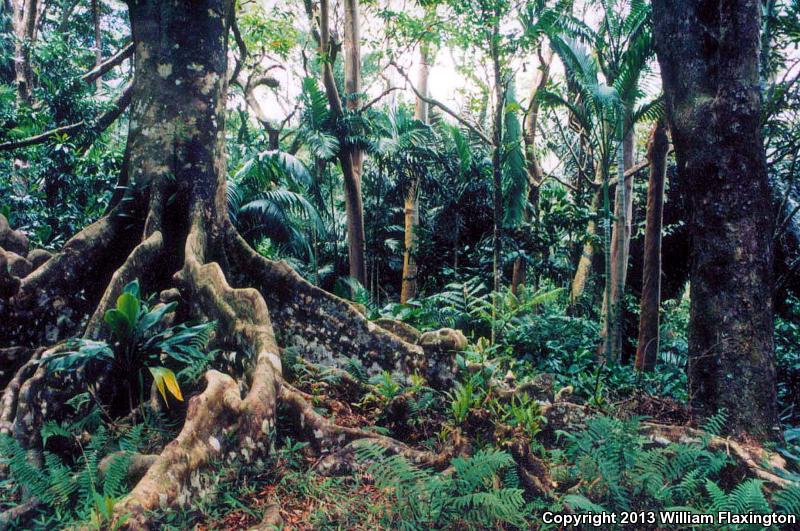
72 493
467 498
716 423
623 472
745 497
579 503
357 370
788 499
22 471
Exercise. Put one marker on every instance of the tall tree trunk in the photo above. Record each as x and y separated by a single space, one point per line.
611 318
408 289
497 170
587 254
98 44
352 68
534 168
354 203
647 344
351 165
25 24
709 57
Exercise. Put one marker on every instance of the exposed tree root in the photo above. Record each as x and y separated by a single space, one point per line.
272 519
219 416
8 407
208 418
533 472
143 255
757 460
49 303
326 436
322 327
19 516
82 251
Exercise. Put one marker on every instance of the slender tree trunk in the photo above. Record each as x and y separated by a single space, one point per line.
98 44
351 165
426 57
273 133
535 173
25 24
519 275
408 288
647 344
497 170
354 203
587 254
352 69
611 330
709 58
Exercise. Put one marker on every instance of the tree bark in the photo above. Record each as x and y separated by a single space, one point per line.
25 24
354 203
587 254
535 173
408 289
647 344
497 169
352 68
709 57
611 318
351 166
98 44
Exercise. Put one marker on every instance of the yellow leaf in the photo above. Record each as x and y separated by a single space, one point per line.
172 384
160 385
165 380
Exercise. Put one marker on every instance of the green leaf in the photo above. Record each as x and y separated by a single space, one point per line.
133 289
86 350
118 323
128 305
154 316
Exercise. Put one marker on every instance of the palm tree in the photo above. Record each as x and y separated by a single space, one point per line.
624 46
607 82
267 199
516 182
593 108
402 151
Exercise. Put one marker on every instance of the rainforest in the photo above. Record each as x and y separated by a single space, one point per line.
399 264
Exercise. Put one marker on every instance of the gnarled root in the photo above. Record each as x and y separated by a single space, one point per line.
342 441
49 303
533 472
322 327
757 460
8 407
143 255
19 516
210 416
219 416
